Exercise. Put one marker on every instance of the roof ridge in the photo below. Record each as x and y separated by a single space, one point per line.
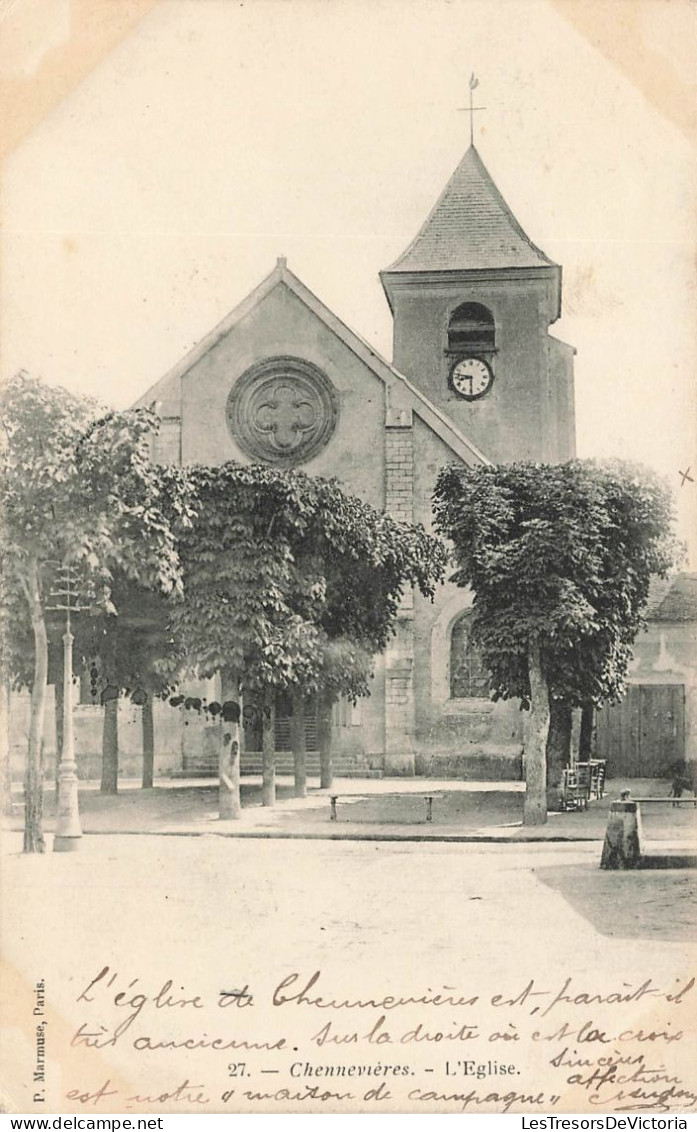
673 597
374 360
413 389
221 328
438 413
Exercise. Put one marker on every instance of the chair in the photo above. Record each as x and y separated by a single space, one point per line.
597 777
584 772
574 789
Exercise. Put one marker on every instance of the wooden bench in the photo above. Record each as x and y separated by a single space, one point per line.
669 798
428 799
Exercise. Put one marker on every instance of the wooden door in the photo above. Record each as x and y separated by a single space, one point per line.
643 736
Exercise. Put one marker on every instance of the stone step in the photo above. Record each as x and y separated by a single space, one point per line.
284 766
251 763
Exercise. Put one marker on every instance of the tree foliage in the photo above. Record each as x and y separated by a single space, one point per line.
80 487
560 558
365 559
132 647
289 584
561 554
16 637
236 612
290 581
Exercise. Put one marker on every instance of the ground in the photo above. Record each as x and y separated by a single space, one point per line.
496 930
370 808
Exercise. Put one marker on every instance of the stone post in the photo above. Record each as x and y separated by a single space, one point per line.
622 846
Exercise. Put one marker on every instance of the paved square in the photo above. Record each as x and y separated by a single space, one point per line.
496 931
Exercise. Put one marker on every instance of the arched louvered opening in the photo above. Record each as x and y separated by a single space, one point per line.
471 329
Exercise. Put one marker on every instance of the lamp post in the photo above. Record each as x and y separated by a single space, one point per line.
68 831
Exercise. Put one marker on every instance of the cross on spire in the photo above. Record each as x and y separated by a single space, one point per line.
473 84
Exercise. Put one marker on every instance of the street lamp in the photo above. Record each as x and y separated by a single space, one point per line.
68 831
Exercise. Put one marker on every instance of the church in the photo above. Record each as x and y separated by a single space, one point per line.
475 376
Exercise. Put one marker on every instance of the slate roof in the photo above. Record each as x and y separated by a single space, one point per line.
470 227
673 599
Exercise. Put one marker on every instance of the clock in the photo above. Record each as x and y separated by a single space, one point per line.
471 378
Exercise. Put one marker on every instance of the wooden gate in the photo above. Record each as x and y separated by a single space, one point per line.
643 736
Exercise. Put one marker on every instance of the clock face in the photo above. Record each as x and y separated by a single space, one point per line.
471 378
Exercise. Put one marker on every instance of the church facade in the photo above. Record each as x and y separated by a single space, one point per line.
476 377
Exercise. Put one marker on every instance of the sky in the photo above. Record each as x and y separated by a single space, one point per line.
219 135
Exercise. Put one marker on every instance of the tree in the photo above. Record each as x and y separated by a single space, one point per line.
235 615
16 664
17 654
365 559
131 650
79 487
559 558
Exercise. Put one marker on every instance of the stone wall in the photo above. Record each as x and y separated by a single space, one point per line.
88 738
399 658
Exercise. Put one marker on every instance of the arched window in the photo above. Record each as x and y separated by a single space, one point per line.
471 328
469 679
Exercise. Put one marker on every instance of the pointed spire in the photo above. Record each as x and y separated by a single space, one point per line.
470 228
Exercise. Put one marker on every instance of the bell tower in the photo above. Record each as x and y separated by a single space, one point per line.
473 299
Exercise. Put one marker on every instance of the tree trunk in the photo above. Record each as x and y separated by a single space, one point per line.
110 748
297 743
34 778
558 749
268 750
585 739
5 747
147 720
324 739
229 803
535 806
